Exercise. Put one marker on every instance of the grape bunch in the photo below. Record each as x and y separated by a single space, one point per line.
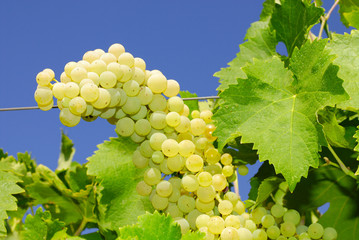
184 174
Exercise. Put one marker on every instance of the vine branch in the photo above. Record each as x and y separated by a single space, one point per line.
325 19
341 164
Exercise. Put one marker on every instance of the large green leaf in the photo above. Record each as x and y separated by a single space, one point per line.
67 152
119 202
292 20
8 188
346 47
261 44
152 227
349 12
277 111
330 184
41 226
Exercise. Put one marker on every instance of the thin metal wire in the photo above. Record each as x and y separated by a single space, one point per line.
55 106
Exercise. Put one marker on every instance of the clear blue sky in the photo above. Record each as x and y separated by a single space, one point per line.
186 40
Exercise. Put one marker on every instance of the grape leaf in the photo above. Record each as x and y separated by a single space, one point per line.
241 153
193 236
2 154
261 44
119 202
278 113
8 188
346 47
67 152
266 188
41 226
292 20
330 184
349 12
152 227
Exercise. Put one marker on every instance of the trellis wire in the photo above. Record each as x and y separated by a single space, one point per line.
55 106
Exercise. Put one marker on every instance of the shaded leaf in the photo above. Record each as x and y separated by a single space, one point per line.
67 152
349 12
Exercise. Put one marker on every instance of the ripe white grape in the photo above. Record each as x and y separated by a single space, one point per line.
226 159
157 83
172 89
176 194
267 221
330 234
242 170
84 81
43 78
173 210
273 232
190 183
229 233
183 224
258 213
64 78
291 216
225 207
158 202
164 168
127 73
173 119
100 52
145 95
108 58
152 176
184 125
139 160
206 115
132 105
98 66
108 79
47 107
158 120
90 56
186 203
259 234
116 49
158 103
202 220
143 127
50 72
127 59
143 188
140 114
72 90
215 225
78 73
204 207
116 69
191 218
315 230
138 75
43 95
204 179
103 99
170 147
131 88
194 163
277 210
239 207
125 127
175 104
77 105
212 156
164 188
186 148
219 182
175 163
227 171
232 221
198 126
206 194
157 157
90 92
69 119
140 63
231 196
94 77
250 225
287 229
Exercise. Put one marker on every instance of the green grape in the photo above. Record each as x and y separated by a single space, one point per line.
43 95
84 64
232 221
175 163
143 127
43 78
209 235
143 188
204 207
206 194
131 88
315 230
194 163
145 95
132 106
226 159
172 89
123 97
273 232
229 233
77 105
108 79
184 125
116 69
151 164
64 78
47 107
156 141
50 72
191 218
164 168
186 148
212 156
225 207
183 223
170 147
108 113
138 75
139 160
96 112
204 179
200 142
291 216
292 238
125 127
227 171
173 119
219 182
206 115
267 221
242 170
330 234
176 194
97 66
152 176
146 149
116 49
202 220
158 202
198 126
215 225
164 188
158 103
108 58
258 214
90 92
127 73
58 90
126 58
78 73
244 234
115 97
69 67
288 229
134 137
233 197
175 104
158 120
239 207
140 114
259 234
304 236
94 77
281 238
120 114
186 203
100 52
176 182
213 169
69 119
301 228
157 83
277 210
250 225
190 183
103 99
157 157
173 210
